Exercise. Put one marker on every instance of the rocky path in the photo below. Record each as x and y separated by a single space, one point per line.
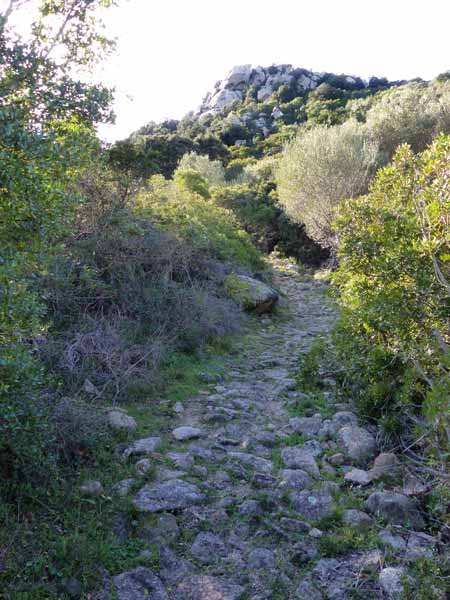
263 491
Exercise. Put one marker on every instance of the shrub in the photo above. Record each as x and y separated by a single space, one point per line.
394 289
413 114
204 225
191 181
211 170
321 167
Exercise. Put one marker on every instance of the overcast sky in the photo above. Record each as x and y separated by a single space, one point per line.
171 52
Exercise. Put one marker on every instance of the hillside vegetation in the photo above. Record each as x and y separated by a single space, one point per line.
114 262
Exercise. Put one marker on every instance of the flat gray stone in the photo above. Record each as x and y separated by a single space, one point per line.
208 548
205 587
395 542
390 581
295 479
309 426
169 495
183 460
92 487
261 558
357 519
396 508
186 433
297 458
122 488
254 462
358 443
118 419
312 505
142 447
139 584
358 477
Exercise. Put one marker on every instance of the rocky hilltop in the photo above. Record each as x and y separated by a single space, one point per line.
245 82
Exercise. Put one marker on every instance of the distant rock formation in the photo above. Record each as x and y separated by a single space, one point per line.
263 82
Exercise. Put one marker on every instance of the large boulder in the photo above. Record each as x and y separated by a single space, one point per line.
238 75
396 508
251 293
224 98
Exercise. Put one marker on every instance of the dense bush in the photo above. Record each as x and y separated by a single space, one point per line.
321 167
413 114
212 170
46 140
199 221
394 292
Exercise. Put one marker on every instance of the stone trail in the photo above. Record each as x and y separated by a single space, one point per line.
250 496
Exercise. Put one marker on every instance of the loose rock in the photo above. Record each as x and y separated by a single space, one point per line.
169 495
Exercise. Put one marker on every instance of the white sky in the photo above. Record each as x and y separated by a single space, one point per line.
171 52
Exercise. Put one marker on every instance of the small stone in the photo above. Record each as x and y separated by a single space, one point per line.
414 487
74 589
297 458
178 408
395 542
163 531
385 464
396 509
345 417
357 477
183 460
267 438
261 558
358 443
304 552
186 433
92 488
315 533
208 548
357 519
390 581
337 459
205 587
143 466
306 591
250 508
420 545
173 569
169 495
309 426
263 481
145 446
122 488
166 474
254 462
119 420
139 584
295 525
312 505
295 479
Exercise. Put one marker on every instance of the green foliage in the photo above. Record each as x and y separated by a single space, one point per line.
208 227
191 181
211 170
393 283
413 114
320 168
46 140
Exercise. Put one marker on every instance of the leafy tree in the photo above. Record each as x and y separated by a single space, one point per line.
394 289
46 138
321 167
